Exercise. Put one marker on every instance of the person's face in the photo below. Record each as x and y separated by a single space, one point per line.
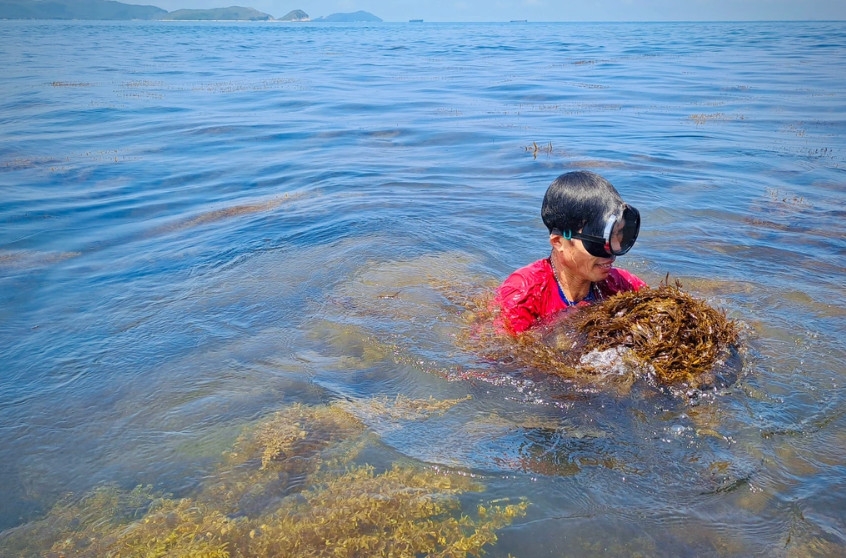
580 264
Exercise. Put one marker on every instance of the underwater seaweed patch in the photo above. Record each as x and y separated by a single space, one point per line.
401 407
277 456
405 511
78 526
335 509
300 431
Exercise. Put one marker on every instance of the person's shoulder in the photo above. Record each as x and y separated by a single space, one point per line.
519 296
526 285
528 273
621 280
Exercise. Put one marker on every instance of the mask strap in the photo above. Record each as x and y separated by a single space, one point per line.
566 235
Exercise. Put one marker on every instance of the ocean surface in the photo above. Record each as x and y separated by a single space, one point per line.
204 224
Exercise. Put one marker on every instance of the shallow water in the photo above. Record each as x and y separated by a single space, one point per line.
204 223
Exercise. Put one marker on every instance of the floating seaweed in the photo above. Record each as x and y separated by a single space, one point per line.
535 149
288 488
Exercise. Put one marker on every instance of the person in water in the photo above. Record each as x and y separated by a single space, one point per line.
589 226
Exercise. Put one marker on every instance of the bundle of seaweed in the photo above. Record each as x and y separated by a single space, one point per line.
678 338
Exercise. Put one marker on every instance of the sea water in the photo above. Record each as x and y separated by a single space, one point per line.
204 223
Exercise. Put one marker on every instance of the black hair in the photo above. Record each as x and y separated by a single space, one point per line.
579 200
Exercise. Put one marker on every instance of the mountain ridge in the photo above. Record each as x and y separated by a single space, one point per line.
232 13
76 9
359 16
114 10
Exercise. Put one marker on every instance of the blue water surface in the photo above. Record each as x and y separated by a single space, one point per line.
201 223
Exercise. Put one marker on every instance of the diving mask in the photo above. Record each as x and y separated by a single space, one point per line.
618 235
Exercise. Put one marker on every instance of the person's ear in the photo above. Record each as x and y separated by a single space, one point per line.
558 242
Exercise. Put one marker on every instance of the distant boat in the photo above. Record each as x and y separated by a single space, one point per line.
415 21
519 20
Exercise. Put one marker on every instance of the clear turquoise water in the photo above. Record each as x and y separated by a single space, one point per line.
202 223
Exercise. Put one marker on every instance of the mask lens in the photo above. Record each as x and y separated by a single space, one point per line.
624 232
618 237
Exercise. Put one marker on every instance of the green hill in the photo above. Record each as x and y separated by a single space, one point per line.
360 15
295 15
111 10
76 9
232 13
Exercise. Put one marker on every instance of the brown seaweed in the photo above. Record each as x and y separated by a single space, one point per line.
677 337
289 487
665 333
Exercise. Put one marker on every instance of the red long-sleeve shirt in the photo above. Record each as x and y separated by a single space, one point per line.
530 296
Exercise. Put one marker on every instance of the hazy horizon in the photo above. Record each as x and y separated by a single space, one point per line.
539 10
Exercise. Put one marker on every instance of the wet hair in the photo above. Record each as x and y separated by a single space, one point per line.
579 201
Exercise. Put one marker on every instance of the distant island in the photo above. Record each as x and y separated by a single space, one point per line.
295 15
111 10
233 13
353 17
76 9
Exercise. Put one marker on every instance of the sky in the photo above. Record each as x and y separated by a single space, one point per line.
540 10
